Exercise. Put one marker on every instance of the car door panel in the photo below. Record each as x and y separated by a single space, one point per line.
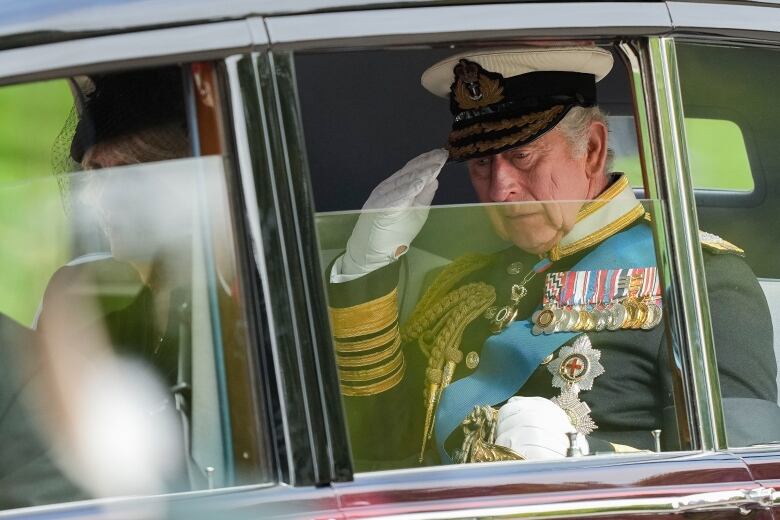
663 484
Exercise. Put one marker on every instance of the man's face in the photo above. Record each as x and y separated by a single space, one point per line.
543 175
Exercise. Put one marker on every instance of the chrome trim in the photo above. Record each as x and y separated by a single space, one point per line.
647 140
267 501
303 231
687 263
728 20
493 21
247 179
258 31
276 255
144 48
743 500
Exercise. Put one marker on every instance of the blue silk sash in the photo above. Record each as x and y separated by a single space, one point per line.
508 359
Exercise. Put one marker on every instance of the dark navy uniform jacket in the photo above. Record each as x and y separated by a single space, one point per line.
383 377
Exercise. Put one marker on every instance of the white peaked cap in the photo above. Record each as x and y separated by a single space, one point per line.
510 62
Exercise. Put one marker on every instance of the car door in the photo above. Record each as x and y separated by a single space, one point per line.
335 80
741 40
187 420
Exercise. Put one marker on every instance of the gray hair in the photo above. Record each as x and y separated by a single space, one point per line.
575 127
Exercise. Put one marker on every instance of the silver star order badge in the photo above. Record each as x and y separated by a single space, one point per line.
577 411
576 366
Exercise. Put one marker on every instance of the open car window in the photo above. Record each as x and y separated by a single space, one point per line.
737 234
125 318
424 330
430 338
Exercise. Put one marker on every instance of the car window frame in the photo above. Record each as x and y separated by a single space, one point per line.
744 24
159 47
741 24
762 453
324 32
258 102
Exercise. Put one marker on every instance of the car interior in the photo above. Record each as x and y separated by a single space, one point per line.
375 121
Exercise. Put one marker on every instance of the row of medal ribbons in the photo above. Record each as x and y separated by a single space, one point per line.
611 299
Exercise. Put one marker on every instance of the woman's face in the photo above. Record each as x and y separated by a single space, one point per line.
143 208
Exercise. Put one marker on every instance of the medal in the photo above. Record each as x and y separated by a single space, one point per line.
642 310
654 314
566 322
505 316
602 319
617 315
545 321
632 310
605 299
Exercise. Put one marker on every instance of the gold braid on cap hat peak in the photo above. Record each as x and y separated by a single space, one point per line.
497 126
542 120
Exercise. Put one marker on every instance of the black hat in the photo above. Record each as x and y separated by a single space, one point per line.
505 98
124 103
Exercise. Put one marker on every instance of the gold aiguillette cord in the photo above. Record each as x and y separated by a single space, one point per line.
434 392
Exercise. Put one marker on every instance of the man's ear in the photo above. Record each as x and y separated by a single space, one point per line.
596 154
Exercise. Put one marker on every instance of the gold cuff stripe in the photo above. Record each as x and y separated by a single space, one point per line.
556 253
365 318
610 193
363 345
369 359
375 388
361 376
456 152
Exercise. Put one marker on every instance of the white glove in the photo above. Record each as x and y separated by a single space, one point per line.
392 217
536 428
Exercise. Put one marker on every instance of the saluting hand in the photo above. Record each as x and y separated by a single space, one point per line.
393 215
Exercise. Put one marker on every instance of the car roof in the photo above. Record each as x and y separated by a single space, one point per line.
45 21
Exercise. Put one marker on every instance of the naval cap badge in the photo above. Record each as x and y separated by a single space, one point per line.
475 87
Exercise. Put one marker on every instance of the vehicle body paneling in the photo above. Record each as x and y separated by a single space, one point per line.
132 33
538 484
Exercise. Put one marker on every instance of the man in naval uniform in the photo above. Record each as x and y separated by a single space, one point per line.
556 343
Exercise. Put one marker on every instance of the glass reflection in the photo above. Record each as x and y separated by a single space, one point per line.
118 386
485 351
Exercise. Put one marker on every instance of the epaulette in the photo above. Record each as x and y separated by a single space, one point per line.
715 244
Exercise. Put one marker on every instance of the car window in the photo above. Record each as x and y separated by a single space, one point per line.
713 165
122 314
467 327
717 155
739 120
